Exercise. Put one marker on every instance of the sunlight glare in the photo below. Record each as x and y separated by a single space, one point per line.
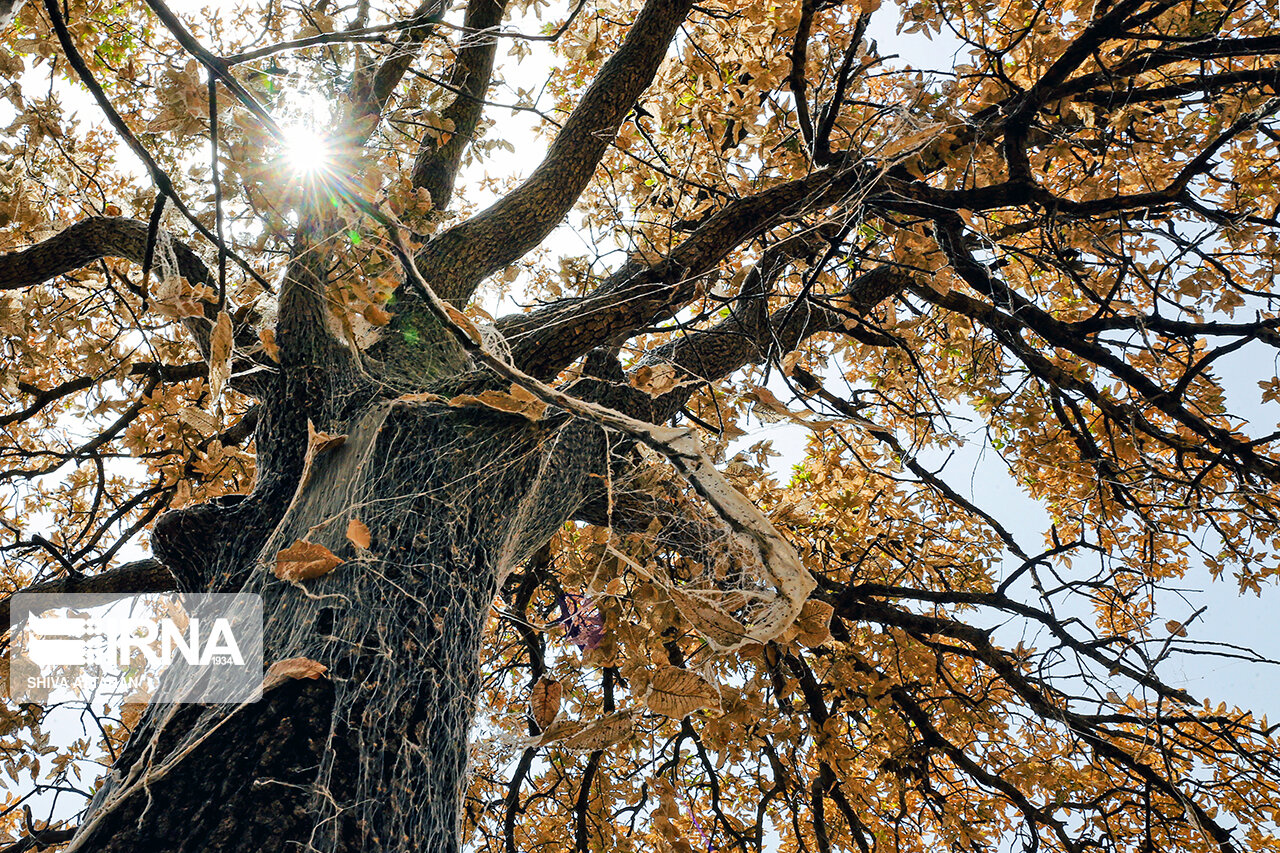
306 151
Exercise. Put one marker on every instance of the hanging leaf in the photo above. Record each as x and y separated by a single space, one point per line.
677 693
544 701
219 356
558 730
199 420
292 669
768 406
720 629
655 380
132 707
517 402
463 322
421 397
305 560
269 346
322 442
358 534
813 625
376 315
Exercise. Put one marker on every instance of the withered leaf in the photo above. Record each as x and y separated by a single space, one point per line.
655 380
358 534
132 707
677 693
719 628
544 701
199 420
768 402
814 623
220 355
269 346
463 322
305 560
376 315
292 668
322 442
422 397
558 730
517 402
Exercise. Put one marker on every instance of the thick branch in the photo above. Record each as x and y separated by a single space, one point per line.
105 237
436 166
88 241
458 260
551 338
130 579
372 90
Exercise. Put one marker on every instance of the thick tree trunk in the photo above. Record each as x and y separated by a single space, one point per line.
372 756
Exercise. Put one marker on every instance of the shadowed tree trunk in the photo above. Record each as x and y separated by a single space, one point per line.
373 755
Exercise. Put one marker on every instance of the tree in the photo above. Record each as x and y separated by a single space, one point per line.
1053 250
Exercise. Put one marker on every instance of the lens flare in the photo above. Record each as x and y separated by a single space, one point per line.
306 151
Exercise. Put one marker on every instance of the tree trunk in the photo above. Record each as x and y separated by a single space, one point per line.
371 756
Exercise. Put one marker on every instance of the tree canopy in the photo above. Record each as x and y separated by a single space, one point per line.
227 231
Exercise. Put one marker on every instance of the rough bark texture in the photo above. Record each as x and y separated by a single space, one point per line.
373 755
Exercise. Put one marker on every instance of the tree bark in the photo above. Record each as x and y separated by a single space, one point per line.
371 756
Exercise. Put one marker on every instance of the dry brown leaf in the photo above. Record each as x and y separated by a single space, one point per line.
220 355
269 346
602 733
912 142
1173 626
813 625
558 730
544 701
463 322
677 693
655 380
305 560
322 442
423 397
719 628
770 408
199 420
132 707
517 402
292 668
19 670
766 399
358 534
376 315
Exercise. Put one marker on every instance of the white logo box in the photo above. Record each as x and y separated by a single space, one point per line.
155 647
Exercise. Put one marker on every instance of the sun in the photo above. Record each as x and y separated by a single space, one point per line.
306 151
